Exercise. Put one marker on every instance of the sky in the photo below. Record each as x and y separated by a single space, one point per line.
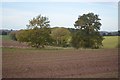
16 15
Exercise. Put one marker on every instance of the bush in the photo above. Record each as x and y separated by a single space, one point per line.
13 36
35 37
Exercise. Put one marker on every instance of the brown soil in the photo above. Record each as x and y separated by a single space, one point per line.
22 63
15 44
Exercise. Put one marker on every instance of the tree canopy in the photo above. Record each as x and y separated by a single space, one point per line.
38 32
34 37
39 21
88 35
61 36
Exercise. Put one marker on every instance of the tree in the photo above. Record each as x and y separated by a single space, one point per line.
34 37
39 37
39 21
118 32
88 35
4 32
61 36
75 40
38 32
23 35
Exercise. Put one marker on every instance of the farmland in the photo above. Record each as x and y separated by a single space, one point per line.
110 42
20 61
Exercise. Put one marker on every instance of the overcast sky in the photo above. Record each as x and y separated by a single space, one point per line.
16 15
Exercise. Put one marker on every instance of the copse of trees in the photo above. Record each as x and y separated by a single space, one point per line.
88 35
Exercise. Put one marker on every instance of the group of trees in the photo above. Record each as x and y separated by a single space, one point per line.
38 34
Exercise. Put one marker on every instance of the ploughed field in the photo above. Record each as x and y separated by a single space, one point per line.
22 63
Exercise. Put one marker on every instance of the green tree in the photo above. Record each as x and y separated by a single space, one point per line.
23 35
61 36
38 32
88 35
34 37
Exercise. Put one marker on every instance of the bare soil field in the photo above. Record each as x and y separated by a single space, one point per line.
20 61
30 63
13 44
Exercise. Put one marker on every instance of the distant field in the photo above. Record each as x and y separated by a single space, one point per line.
110 41
5 37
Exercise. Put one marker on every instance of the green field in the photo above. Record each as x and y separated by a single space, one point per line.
110 42
5 37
